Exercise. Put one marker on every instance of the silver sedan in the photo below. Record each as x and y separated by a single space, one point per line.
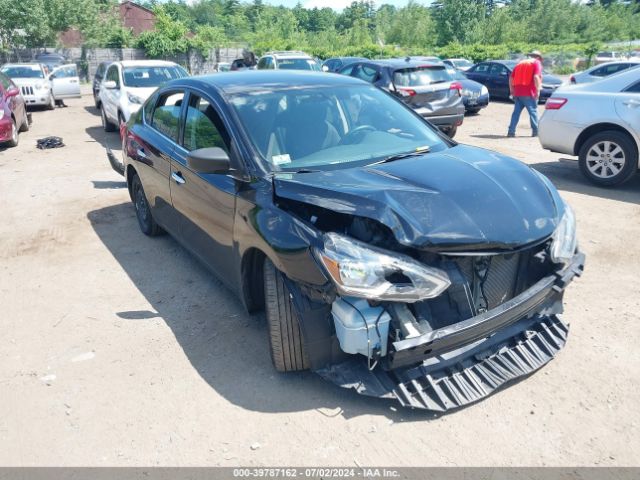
598 122
598 72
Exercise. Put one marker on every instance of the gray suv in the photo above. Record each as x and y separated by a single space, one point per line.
425 86
289 60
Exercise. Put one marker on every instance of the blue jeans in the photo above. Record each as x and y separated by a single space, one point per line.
531 104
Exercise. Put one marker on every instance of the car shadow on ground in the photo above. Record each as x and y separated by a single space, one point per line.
226 346
92 110
106 139
108 184
565 175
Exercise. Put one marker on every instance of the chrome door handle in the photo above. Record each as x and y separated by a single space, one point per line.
141 153
632 103
178 178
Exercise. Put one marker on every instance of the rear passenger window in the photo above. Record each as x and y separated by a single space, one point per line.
203 127
166 115
367 74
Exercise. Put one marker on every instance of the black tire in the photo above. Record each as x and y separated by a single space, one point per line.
96 101
106 124
25 124
52 102
608 158
143 212
451 132
285 338
13 142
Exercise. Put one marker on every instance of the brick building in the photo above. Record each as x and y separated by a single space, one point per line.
139 19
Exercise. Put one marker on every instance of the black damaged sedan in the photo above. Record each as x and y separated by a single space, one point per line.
386 257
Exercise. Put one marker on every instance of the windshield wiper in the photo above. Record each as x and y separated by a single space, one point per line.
399 156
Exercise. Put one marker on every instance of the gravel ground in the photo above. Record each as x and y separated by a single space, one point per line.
121 350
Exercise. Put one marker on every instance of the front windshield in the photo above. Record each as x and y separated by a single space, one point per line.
151 76
298 64
420 76
23 71
330 127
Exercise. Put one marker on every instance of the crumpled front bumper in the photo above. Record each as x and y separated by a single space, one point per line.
470 360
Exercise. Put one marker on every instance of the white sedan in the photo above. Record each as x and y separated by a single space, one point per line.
600 123
127 84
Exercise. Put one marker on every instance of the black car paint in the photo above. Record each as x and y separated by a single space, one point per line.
463 198
334 64
97 79
446 114
498 84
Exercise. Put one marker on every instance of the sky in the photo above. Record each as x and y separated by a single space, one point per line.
335 4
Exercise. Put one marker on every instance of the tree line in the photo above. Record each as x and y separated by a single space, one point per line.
474 28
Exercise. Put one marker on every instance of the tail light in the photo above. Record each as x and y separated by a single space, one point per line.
406 92
456 86
555 103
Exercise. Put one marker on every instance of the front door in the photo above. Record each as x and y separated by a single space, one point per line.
65 82
628 106
205 203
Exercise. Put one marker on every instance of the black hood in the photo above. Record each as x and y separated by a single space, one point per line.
461 198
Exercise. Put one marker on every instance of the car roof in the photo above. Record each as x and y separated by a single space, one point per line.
146 63
398 63
611 83
288 54
265 80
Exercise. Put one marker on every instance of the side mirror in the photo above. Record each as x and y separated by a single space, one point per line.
209 160
110 85
12 92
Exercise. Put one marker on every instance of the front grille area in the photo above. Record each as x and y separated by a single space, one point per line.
501 280
26 90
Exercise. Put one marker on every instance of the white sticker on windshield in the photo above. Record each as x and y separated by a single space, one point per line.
281 159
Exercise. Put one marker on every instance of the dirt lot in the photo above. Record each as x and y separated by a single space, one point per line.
118 349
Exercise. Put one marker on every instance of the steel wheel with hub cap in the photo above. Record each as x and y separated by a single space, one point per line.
608 158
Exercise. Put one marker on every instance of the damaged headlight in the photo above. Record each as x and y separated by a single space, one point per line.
564 243
360 270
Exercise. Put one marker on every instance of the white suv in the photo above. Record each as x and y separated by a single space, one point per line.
128 84
289 60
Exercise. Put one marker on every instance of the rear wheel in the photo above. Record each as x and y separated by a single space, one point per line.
608 158
285 337
106 124
143 211
25 123
96 101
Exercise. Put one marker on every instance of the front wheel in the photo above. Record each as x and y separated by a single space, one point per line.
13 141
143 211
285 337
451 132
608 158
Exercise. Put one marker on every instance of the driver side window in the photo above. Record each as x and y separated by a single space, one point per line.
203 127
112 75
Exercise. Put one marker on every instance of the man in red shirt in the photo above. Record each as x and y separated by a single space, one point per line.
524 84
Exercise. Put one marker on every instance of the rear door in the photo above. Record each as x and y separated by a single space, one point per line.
498 83
154 145
65 82
479 72
204 203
